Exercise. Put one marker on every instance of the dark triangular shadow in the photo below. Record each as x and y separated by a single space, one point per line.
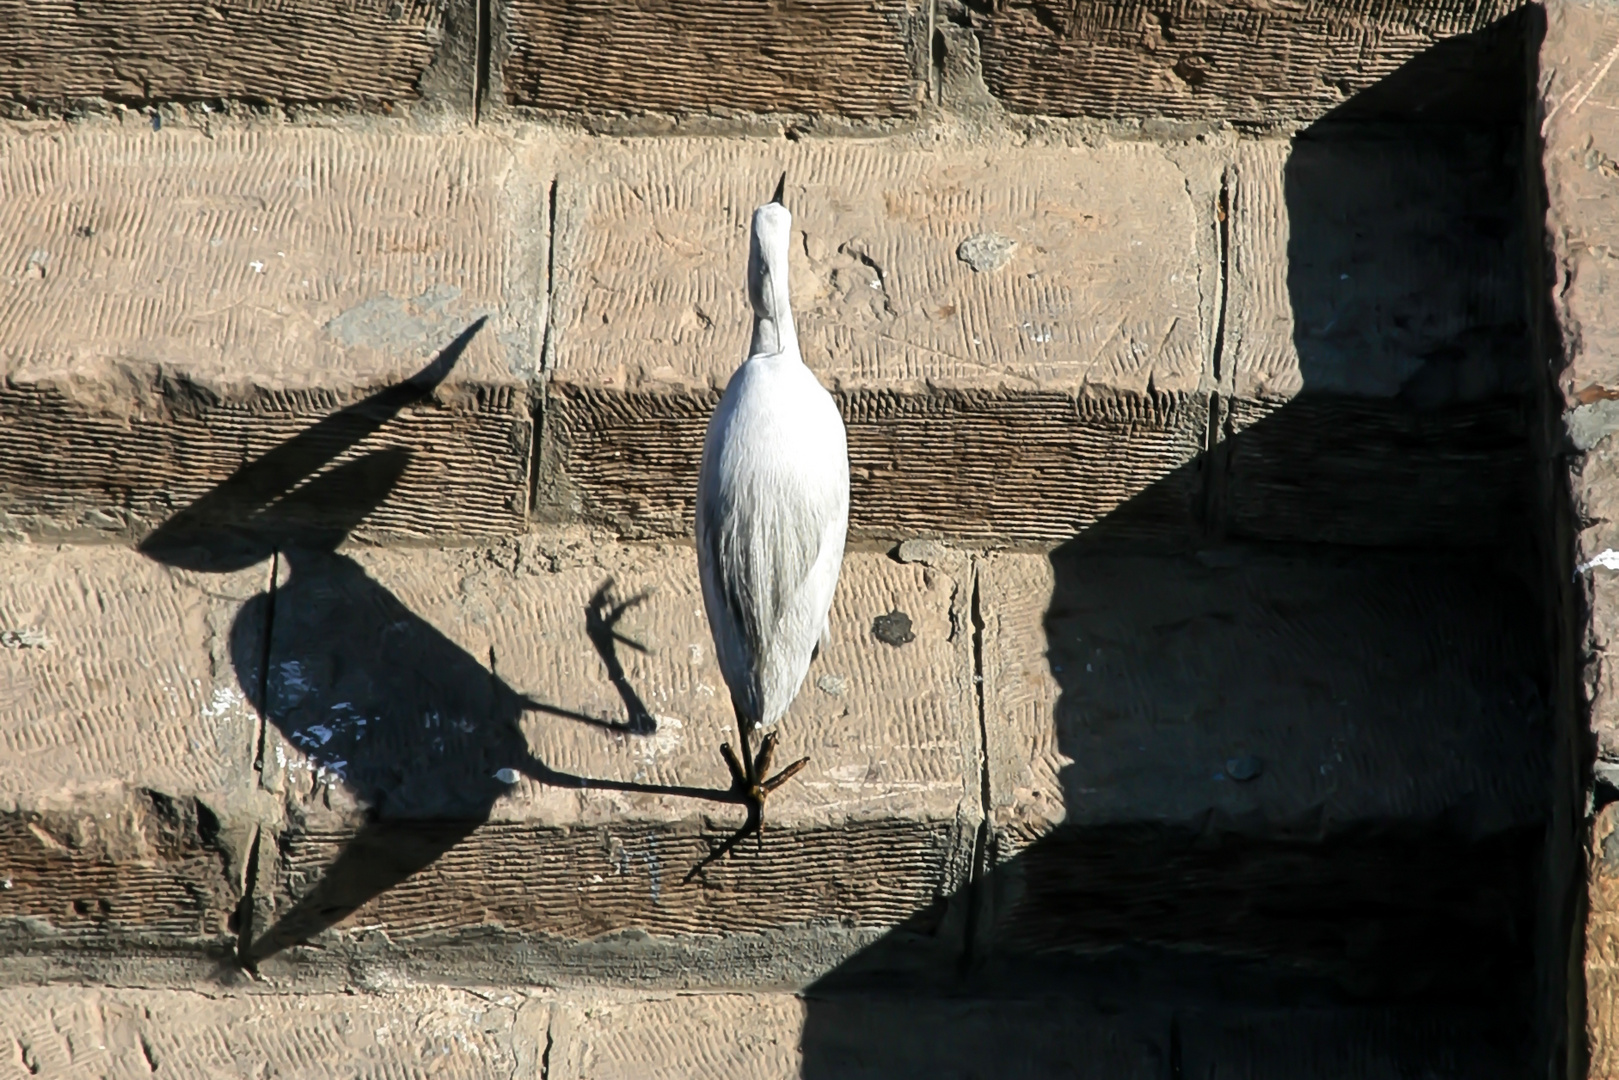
1308 731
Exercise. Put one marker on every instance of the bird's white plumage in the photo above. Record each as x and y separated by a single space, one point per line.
772 499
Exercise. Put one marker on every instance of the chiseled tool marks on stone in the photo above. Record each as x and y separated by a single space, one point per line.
118 671
69 1032
126 746
309 51
771 1036
175 305
982 465
1216 61
381 694
677 1036
1090 335
1101 287
1358 735
1354 691
844 57
1349 470
613 886
1375 335
124 870
1373 263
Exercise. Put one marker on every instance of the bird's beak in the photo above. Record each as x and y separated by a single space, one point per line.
781 187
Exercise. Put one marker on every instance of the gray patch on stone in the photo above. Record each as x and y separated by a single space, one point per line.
893 629
417 325
1244 767
1589 424
831 684
985 252
926 552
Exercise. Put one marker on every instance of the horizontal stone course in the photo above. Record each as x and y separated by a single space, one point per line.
849 58
63 1033
1229 61
1352 738
271 306
126 775
304 52
178 304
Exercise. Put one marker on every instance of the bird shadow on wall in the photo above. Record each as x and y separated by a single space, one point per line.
1303 697
378 701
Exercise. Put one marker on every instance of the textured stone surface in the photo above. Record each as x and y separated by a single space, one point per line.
844 57
406 682
126 750
1581 159
1601 652
69 1032
1026 401
304 52
1602 944
1353 739
1375 334
1371 689
779 1036
64 1033
1218 61
177 305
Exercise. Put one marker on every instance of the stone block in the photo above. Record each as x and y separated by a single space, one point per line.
1255 755
310 52
844 58
180 303
1225 61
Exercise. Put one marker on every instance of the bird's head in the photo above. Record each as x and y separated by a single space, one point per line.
767 256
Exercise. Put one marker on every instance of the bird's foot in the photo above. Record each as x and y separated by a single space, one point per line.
752 792
754 785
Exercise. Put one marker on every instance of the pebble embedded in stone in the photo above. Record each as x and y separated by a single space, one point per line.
926 552
893 629
985 252
831 684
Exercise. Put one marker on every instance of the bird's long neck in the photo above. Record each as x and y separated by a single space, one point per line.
773 328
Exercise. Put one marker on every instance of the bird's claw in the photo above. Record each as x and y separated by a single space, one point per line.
751 791
739 776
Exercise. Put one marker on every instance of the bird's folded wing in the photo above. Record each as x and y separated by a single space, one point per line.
767 565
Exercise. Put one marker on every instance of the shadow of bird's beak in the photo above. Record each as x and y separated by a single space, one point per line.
781 187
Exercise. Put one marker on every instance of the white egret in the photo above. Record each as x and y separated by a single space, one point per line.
772 514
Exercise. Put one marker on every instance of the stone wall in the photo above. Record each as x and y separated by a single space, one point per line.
1227 407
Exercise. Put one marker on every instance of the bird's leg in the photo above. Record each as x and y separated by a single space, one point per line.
750 777
744 777
747 786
